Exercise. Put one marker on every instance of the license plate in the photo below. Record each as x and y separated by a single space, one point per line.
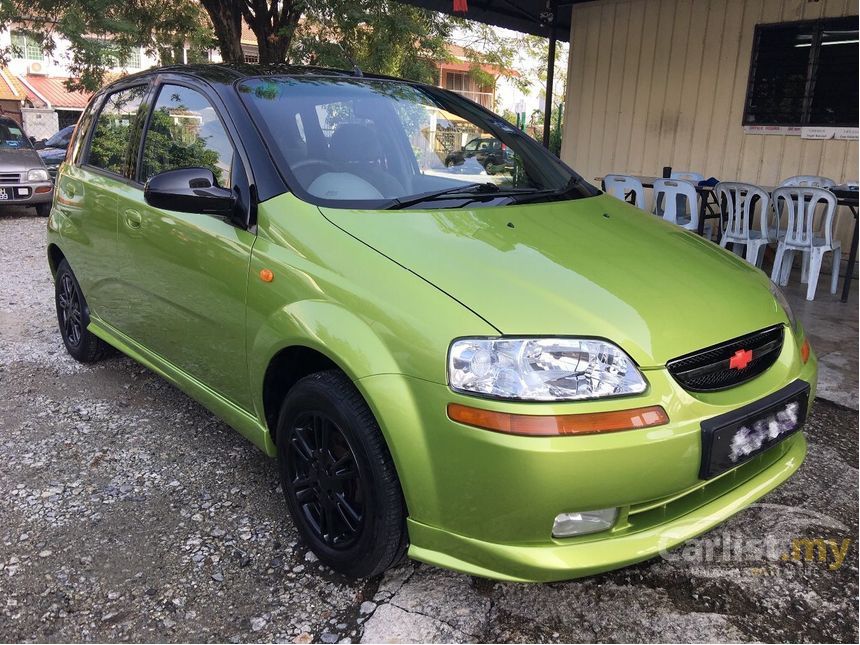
3 194
733 438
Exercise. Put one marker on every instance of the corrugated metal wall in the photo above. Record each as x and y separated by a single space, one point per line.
655 83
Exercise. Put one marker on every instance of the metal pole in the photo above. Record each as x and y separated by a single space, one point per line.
550 73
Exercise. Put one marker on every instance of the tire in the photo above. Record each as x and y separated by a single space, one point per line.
43 210
73 317
338 477
449 163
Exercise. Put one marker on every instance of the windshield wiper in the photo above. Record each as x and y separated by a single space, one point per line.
470 191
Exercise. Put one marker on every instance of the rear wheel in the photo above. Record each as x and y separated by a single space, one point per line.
43 210
73 316
338 477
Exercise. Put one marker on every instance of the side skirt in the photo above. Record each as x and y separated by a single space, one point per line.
240 420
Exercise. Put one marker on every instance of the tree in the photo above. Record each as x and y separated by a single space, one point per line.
102 33
380 36
273 22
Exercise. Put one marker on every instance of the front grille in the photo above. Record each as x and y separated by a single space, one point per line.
10 177
710 369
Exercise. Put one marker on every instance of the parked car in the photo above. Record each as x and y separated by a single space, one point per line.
24 180
491 153
511 379
55 148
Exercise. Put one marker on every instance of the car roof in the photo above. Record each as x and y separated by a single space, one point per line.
228 73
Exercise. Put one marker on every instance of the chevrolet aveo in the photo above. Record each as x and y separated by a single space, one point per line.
510 375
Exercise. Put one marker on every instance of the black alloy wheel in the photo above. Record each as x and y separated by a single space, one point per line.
325 480
338 476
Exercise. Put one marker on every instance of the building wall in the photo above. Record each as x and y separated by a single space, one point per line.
656 83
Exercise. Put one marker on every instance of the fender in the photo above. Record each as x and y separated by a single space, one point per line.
326 327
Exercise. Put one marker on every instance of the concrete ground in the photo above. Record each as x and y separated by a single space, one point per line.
130 513
833 331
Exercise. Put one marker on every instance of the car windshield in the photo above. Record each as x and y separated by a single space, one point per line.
61 138
12 137
374 143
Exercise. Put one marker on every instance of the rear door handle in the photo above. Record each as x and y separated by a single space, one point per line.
132 219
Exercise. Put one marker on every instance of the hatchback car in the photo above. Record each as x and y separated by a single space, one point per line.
525 379
24 180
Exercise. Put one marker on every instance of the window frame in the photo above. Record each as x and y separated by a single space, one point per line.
817 26
83 156
242 173
156 90
28 36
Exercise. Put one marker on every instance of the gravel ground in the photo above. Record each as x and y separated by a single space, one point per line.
128 512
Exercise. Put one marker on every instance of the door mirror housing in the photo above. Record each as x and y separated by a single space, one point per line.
190 190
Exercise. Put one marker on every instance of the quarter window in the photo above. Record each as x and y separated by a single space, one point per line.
110 143
185 132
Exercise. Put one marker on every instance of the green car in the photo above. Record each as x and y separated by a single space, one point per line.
514 376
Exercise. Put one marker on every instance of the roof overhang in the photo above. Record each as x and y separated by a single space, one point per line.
526 16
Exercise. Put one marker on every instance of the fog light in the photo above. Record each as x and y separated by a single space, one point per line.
570 524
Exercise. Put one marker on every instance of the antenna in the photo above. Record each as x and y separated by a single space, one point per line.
356 70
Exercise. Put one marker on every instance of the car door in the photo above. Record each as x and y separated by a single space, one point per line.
87 197
186 273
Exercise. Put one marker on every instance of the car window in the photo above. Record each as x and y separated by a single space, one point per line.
12 137
185 132
113 131
472 145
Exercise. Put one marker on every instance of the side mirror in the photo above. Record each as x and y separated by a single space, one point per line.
189 190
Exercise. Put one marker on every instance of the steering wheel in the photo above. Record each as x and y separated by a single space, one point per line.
324 165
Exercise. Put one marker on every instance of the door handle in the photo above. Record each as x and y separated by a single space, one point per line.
132 219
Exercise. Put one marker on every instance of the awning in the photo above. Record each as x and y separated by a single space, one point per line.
526 16
51 91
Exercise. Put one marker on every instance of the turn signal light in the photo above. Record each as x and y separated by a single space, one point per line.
804 351
555 425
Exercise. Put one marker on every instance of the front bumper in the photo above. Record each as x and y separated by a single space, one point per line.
25 193
483 502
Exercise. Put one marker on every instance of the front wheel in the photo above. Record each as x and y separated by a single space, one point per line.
338 477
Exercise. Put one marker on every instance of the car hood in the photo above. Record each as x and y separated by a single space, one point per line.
18 159
52 155
588 267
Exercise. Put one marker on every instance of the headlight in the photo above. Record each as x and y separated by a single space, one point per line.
783 301
542 369
37 174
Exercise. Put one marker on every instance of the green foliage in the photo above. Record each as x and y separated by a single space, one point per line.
380 36
154 25
109 146
170 144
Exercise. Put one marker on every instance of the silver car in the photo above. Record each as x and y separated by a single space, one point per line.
24 180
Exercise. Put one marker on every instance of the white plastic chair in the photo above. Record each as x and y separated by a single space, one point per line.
737 211
799 204
621 185
813 181
667 194
694 177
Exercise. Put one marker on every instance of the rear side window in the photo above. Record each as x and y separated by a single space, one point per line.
184 132
114 125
